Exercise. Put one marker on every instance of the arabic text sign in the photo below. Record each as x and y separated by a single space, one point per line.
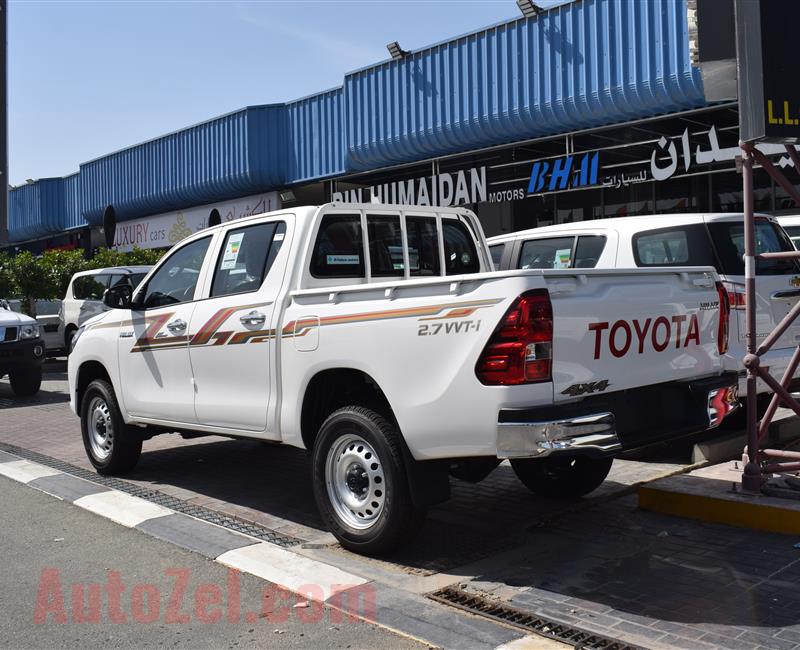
769 65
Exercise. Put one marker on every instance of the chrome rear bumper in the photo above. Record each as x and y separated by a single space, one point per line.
595 432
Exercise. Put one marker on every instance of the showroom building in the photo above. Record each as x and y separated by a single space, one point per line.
595 108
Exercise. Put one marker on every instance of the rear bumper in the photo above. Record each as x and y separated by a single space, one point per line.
606 425
17 354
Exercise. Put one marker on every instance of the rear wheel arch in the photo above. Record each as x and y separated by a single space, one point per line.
334 388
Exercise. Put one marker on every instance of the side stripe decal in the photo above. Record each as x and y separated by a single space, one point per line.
208 334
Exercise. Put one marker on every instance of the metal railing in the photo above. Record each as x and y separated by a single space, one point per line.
760 463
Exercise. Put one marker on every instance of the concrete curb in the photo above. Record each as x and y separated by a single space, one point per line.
401 612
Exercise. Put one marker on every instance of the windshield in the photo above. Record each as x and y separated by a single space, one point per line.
728 238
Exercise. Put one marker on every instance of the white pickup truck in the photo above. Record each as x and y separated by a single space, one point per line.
378 338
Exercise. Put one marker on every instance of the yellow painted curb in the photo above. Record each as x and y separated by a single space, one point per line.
758 516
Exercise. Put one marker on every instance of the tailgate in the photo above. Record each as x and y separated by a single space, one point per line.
621 328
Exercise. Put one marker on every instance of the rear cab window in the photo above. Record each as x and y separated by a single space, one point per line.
569 252
496 252
728 238
428 245
460 254
677 246
339 249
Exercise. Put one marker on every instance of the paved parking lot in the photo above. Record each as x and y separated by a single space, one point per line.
597 564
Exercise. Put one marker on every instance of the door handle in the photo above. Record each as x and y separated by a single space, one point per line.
177 325
253 318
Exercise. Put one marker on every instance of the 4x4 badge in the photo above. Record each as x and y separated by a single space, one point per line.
589 387
796 281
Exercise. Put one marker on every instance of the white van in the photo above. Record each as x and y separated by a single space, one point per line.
84 297
676 240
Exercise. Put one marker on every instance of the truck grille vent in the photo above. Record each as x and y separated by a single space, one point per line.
575 637
11 334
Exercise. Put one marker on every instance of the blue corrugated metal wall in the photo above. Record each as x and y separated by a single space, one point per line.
576 66
316 145
229 156
36 209
579 65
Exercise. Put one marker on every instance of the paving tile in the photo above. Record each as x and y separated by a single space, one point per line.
195 535
67 487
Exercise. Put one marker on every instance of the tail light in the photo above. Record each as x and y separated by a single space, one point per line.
724 318
735 293
520 350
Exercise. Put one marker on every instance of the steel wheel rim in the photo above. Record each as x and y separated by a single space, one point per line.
101 428
355 481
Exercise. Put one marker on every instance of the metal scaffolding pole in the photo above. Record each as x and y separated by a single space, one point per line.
759 464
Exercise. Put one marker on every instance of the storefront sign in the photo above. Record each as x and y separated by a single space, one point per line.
769 97
167 229
663 169
560 175
457 188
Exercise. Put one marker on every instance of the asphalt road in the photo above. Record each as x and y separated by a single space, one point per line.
130 585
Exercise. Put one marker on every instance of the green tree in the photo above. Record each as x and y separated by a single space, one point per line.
7 287
31 280
59 267
104 257
144 256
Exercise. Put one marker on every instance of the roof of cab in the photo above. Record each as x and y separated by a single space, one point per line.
626 224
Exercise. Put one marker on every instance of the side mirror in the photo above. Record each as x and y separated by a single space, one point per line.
118 297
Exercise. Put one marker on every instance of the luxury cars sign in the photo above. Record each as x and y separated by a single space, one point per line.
163 230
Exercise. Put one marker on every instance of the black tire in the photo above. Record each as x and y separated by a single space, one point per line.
26 381
99 406
396 519
562 477
68 335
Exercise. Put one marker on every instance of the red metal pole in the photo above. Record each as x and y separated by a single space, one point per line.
779 178
776 399
780 391
775 334
751 477
793 155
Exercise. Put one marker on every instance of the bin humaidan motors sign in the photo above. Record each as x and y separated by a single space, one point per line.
163 230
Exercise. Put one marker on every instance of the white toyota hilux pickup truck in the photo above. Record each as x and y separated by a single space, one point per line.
378 338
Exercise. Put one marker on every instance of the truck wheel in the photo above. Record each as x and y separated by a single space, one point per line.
26 381
112 446
562 477
68 336
360 483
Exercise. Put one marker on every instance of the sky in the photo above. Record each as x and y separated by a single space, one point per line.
88 78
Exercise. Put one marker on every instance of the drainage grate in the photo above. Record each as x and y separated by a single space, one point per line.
206 514
578 639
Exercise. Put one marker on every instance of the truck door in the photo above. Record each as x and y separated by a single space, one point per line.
233 332
154 345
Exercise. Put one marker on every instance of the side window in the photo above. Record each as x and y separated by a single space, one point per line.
671 247
460 255
339 250
246 258
176 279
423 246
553 253
90 287
385 245
496 252
588 251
